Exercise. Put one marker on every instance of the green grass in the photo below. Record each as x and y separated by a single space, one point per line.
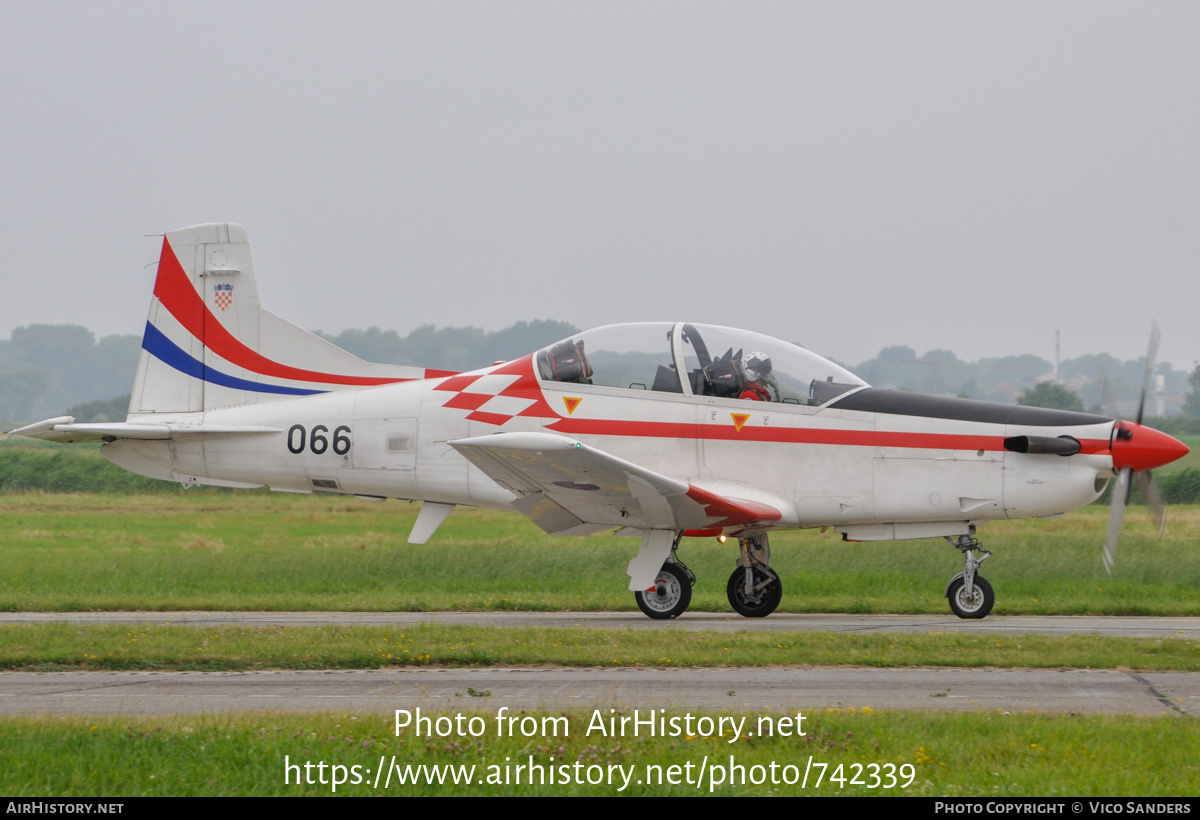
65 647
41 466
258 551
1189 462
951 754
266 551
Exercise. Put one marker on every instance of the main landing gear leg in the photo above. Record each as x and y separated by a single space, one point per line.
754 590
672 590
969 593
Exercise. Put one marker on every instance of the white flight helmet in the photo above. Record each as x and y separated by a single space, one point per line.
757 367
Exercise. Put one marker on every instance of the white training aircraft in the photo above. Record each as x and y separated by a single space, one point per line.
656 430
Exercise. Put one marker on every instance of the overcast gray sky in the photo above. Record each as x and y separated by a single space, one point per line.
968 176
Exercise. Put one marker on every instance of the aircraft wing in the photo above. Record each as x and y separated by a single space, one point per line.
567 487
63 429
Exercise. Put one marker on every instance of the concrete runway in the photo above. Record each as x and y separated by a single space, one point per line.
1109 626
1083 691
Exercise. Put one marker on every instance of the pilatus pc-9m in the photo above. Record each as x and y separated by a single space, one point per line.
660 430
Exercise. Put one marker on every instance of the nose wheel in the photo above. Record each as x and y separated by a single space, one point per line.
969 593
974 604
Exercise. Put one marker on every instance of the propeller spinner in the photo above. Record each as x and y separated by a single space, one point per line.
1136 450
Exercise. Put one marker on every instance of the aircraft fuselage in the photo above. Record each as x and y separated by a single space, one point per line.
872 475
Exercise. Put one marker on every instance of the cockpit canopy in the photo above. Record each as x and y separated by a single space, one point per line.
713 361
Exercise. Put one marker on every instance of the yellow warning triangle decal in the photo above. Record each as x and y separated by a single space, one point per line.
571 404
739 419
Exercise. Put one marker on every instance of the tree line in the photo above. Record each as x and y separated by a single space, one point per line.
48 370
51 370
1004 379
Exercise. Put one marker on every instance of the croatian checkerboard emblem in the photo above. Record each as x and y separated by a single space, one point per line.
223 296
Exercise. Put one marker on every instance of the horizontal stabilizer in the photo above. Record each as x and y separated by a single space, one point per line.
64 430
567 486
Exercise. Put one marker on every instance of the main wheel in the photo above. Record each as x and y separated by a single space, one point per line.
760 603
670 595
971 606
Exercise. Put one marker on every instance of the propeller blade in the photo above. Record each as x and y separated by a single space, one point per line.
1153 498
1151 356
1116 514
1124 488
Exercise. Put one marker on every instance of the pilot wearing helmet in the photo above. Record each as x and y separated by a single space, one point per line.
756 367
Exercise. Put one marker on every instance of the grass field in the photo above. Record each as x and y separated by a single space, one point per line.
264 551
64 647
949 754
258 551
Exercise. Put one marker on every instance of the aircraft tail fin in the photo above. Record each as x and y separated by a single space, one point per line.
208 342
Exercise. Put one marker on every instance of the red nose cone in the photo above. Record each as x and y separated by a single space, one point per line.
1143 448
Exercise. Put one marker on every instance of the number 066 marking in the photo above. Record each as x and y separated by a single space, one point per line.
298 438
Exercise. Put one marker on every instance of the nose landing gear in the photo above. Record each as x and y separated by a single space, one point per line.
969 594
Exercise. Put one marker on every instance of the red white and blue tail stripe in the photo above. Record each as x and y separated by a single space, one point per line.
208 343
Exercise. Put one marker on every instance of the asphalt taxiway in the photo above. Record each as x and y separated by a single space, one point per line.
774 688
1107 626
